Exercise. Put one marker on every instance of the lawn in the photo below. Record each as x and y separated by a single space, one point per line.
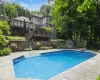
15 38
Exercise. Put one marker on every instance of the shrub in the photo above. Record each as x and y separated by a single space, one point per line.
3 41
98 78
4 27
49 29
54 44
93 44
38 44
61 40
14 46
28 49
62 47
4 30
14 38
5 51
45 48
1 32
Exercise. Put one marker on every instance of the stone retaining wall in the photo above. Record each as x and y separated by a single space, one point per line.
21 45
26 44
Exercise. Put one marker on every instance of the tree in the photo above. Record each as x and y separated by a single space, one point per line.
64 16
4 28
45 9
21 10
98 78
18 7
50 1
11 11
86 5
36 12
2 8
75 19
27 13
49 29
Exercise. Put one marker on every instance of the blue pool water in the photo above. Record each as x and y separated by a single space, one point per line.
49 64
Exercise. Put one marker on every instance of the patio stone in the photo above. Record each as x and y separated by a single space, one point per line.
88 70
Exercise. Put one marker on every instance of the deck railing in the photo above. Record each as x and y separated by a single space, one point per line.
46 34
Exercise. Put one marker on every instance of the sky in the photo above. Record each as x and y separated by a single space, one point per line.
30 4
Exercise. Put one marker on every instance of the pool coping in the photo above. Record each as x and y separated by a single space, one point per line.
7 71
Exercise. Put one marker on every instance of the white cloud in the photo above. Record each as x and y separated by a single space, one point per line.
31 0
10 0
31 7
24 5
35 7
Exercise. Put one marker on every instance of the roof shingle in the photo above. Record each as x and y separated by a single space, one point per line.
22 18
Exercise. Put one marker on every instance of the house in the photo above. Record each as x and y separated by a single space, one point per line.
34 26
18 25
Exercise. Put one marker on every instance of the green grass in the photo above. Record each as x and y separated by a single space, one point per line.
98 78
15 38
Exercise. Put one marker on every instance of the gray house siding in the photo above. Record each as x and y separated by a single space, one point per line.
36 21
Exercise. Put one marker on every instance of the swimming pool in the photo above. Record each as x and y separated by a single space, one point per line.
48 64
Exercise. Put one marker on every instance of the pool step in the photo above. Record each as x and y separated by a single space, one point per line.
32 55
23 79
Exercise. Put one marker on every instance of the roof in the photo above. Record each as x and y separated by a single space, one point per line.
22 18
37 15
40 16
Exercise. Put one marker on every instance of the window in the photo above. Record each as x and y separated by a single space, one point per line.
15 22
38 21
18 23
22 24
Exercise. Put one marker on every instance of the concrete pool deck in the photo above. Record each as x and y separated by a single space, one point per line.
88 70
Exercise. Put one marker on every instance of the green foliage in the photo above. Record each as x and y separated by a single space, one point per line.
14 46
14 38
45 48
5 51
65 13
61 40
11 11
54 44
98 78
3 41
38 44
45 9
62 47
28 49
1 32
21 10
2 8
86 5
76 19
93 44
49 29
4 27
36 12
